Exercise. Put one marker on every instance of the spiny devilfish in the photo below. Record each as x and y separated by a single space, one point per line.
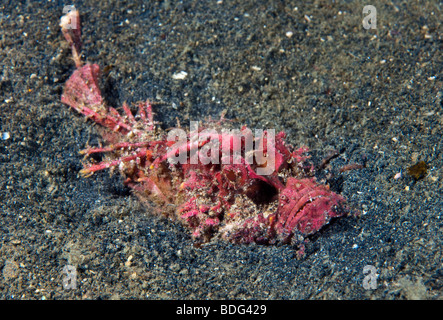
224 199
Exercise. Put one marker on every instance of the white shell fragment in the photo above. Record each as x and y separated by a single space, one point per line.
180 75
5 135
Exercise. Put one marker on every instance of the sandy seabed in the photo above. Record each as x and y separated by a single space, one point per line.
311 70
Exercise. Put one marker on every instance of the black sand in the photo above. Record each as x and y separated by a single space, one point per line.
376 95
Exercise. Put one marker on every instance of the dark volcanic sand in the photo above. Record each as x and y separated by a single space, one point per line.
374 94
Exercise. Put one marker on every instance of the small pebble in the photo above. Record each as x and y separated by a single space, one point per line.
5 135
180 75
